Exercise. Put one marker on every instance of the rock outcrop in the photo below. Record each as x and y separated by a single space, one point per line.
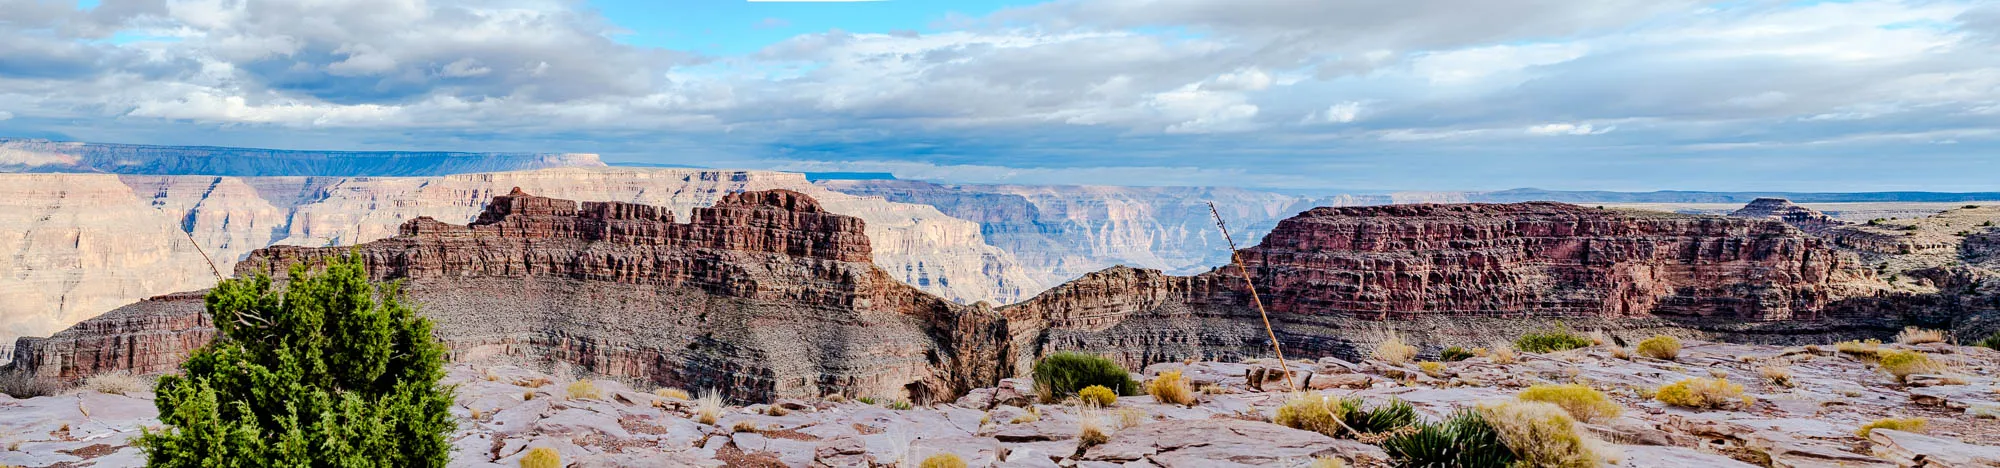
765 294
26 155
1337 279
81 244
1806 219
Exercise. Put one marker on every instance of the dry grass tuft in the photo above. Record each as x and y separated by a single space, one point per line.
583 389
1432 368
537 382
1902 364
1777 375
1090 430
1130 417
1033 414
943 460
117 383
672 393
1504 353
1394 351
743 426
1660 347
1859 348
1583 403
1171 388
1314 411
708 408
1897 424
1621 353
1703 393
1328 462
1914 335
542 457
1543 435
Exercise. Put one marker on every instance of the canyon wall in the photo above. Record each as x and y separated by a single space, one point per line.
81 244
1779 209
764 294
29 155
1060 233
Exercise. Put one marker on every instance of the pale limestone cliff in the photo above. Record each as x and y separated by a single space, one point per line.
78 245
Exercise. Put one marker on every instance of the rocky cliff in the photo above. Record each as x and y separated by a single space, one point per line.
765 294
20 155
82 244
1060 233
1806 219
1336 279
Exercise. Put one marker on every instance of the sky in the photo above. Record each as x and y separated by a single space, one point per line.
1304 95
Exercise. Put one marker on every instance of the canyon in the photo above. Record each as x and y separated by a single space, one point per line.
81 244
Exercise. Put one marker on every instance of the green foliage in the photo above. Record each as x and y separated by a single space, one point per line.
1379 419
1991 341
900 405
331 371
1454 354
1463 440
1061 374
1560 338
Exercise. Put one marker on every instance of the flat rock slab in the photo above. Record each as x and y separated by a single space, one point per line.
1909 449
1226 442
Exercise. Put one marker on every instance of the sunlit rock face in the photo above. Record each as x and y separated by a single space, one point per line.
21 155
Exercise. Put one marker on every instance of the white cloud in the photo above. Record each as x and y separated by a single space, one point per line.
1568 129
1345 112
4 115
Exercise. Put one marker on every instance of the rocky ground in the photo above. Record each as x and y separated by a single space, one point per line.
1812 422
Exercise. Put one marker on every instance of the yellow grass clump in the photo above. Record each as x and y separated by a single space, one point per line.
1897 424
1394 351
1698 392
1314 411
943 460
1583 403
1097 395
1914 335
1777 375
1328 462
1504 353
673 393
1544 435
1660 347
542 457
708 408
1859 348
1432 368
1171 388
585 389
1902 363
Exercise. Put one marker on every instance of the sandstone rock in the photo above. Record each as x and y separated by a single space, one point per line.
1909 450
1323 381
1806 219
1226 442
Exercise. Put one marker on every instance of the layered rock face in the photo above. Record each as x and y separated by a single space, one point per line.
1334 278
22 155
82 244
1059 233
1806 219
765 294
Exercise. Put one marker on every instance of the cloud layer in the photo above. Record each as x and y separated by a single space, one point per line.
1305 94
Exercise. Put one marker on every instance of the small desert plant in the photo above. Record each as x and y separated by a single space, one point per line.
1130 417
1462 440
1504 354
1992 341
1384 418
1348 417
1543 435
708 408
1061 374
117 383
672 393
1033 414
1777 375
1660 347
1902 363
900 405
743 426
541 457
1454 354
943 460
1317 412
1090 430
1097 395
1583 403
1171 388
1914 335
582 389
868 400
775 410
1621 353
1696 392
1897 424
1394 351
1432 368
1327 462
23 384
1560 338
1859 348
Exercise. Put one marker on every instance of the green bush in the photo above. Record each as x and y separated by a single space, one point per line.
330 371
1991 341
1560 338
1379 419
1463 440
1454 354
1061 375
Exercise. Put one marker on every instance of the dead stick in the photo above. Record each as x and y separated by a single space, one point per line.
204 256
1238 260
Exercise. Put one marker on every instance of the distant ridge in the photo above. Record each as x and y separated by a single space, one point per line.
45 156
1679 196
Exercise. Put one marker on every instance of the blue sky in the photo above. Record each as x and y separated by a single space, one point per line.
1296 94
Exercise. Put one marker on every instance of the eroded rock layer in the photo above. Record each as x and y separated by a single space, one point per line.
1806 219
764 294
